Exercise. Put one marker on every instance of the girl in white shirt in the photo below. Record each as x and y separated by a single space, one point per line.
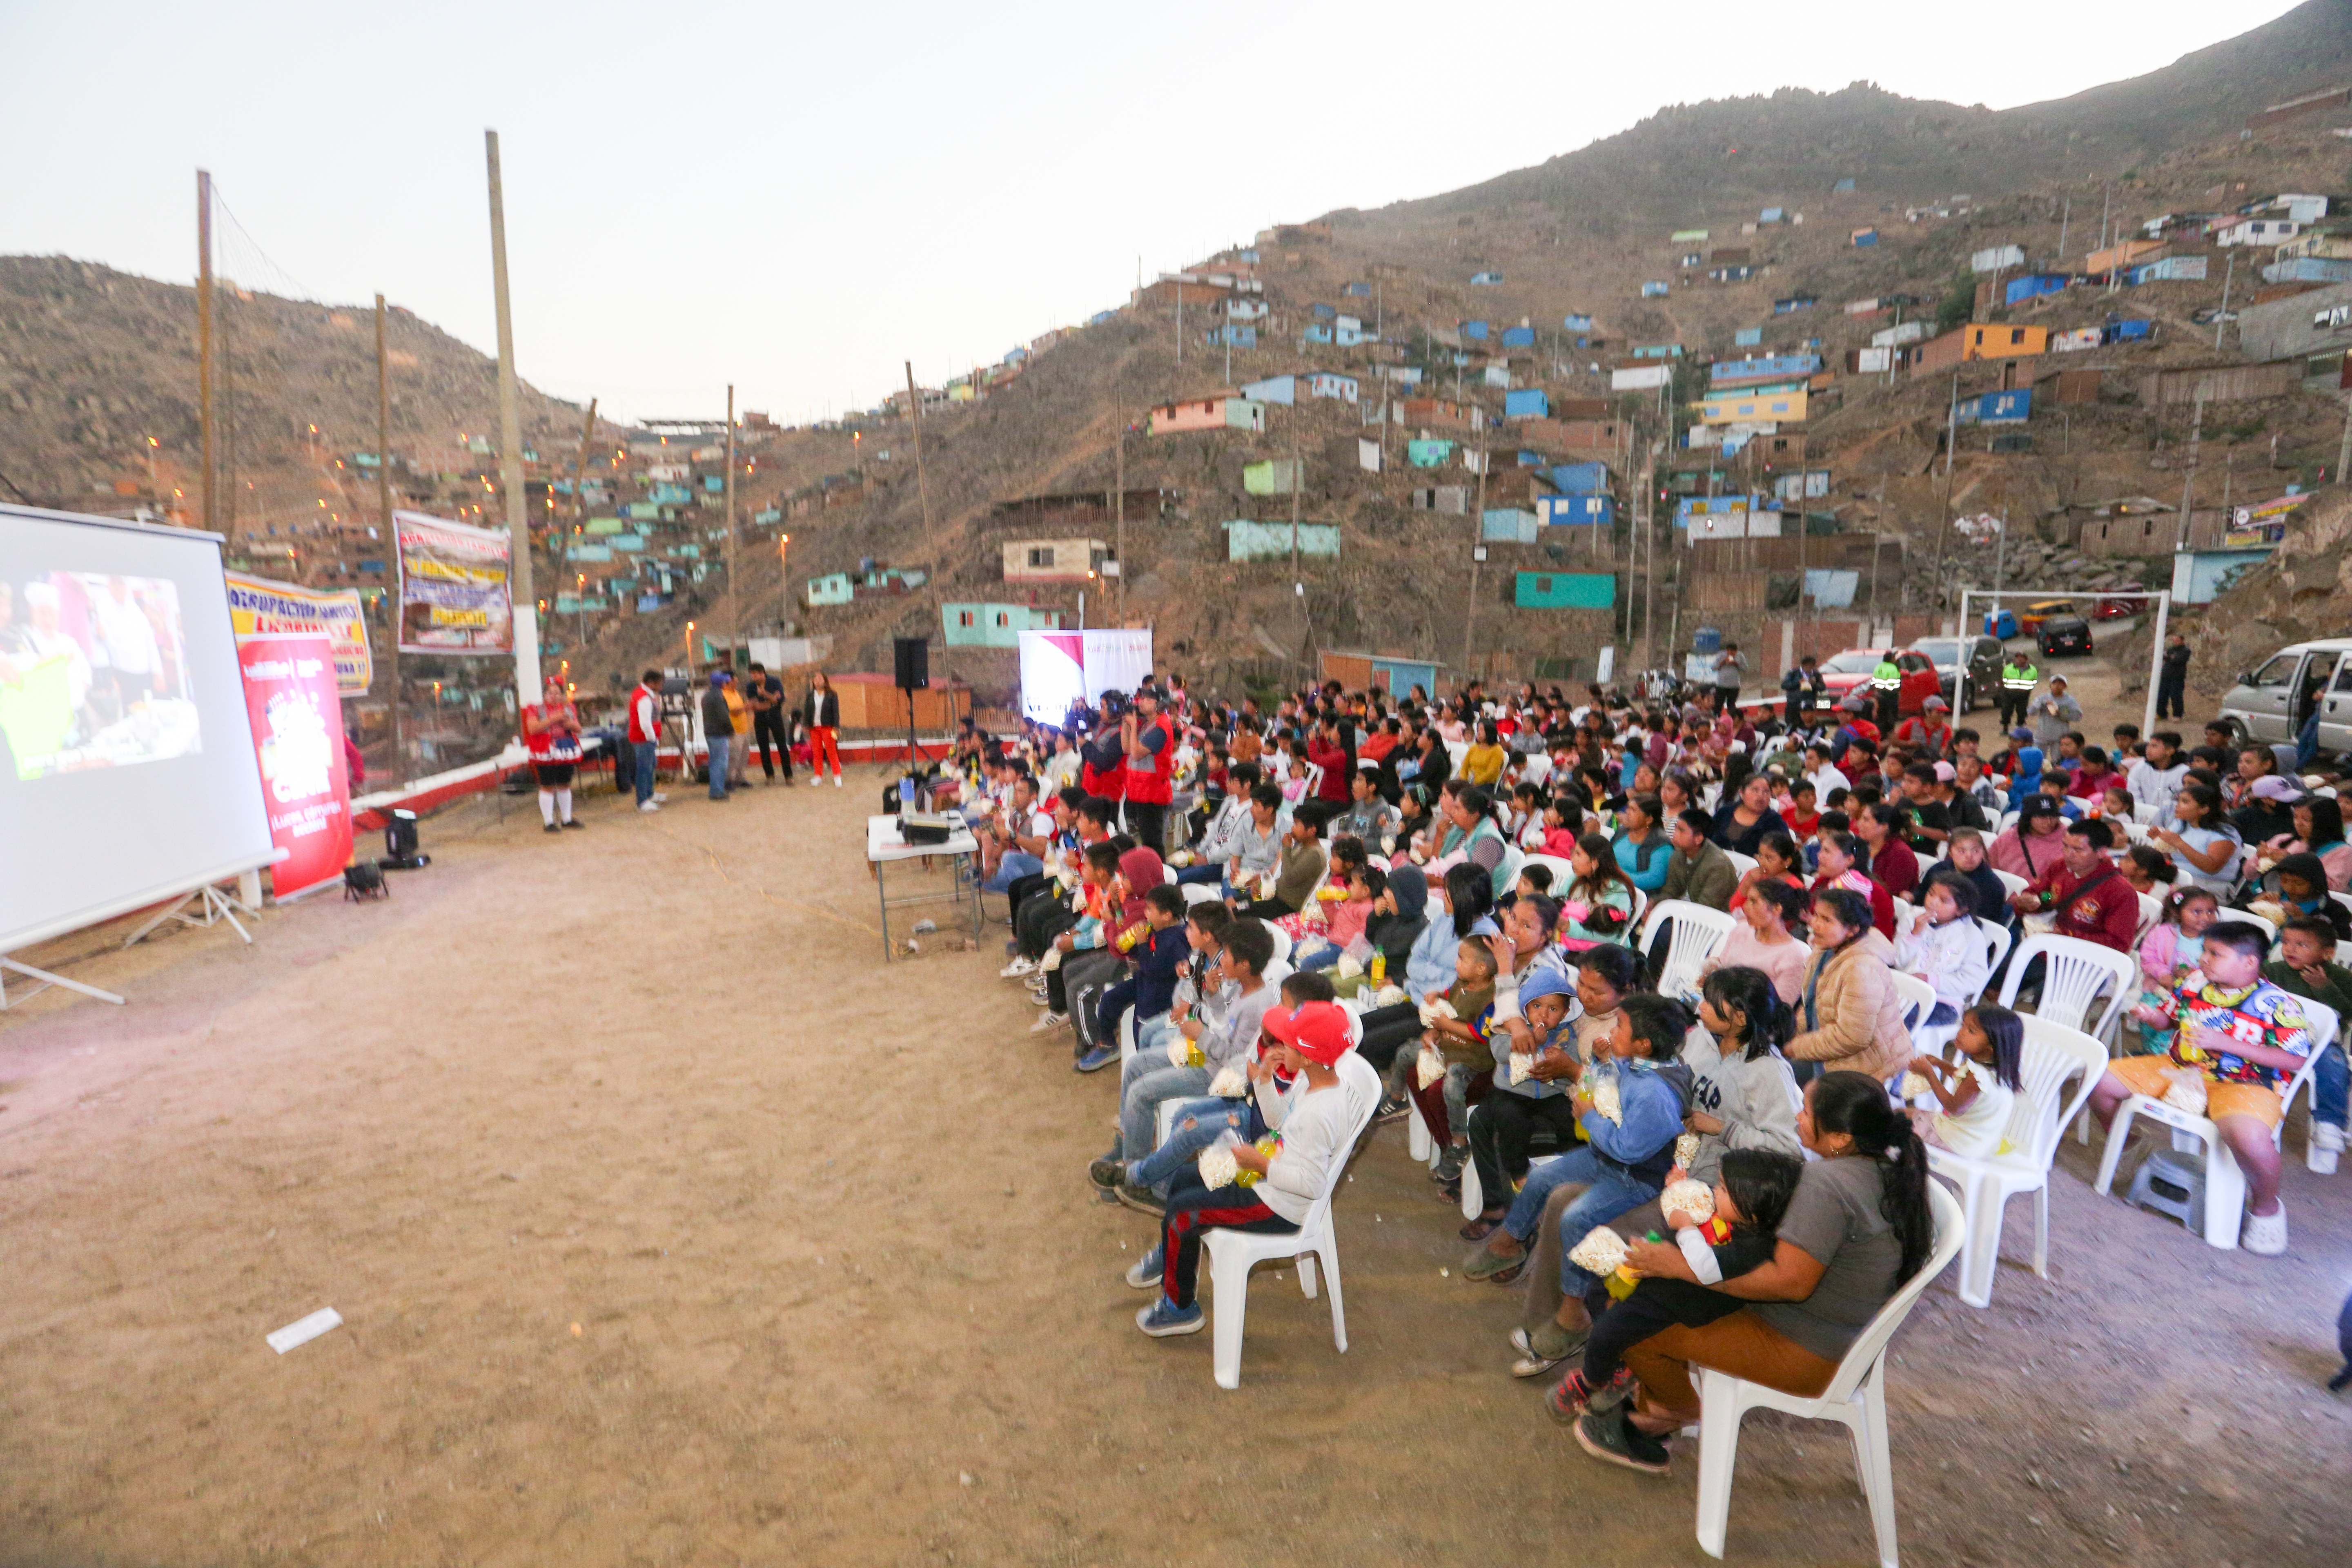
1946 947
1975 1082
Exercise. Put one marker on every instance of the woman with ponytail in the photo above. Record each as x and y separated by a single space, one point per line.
1858 1226
1742 1093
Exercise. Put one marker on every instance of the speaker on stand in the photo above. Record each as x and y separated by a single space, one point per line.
911 664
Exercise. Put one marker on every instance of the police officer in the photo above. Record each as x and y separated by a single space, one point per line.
2019 676
1887 684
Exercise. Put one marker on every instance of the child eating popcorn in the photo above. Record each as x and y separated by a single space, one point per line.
1975 1082
1459 1035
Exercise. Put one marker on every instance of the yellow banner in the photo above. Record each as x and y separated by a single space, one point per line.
259 607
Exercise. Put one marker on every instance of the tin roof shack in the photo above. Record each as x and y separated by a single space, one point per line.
1191 288
1997 341
1053 559
2123 253
1276 477
2069 388
1762 406
1528 402
1435 414
1330 383
1208 414
1084 508
1726 375
1282 389
2219 383
1564 590
1248 540
993 625
1360 671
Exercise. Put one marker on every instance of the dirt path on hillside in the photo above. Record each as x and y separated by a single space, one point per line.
669 1226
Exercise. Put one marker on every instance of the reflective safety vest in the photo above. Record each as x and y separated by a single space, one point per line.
2016 679
1887 676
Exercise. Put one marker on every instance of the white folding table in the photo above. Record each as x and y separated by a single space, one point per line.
884 846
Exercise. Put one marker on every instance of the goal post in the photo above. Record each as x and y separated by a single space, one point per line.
2162 598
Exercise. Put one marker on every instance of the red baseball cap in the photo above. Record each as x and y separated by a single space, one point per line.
1316 1030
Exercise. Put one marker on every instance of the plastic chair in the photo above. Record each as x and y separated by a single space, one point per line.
2251 918
1281 944
1169 875
2151 909
1856 1396
2012 883
1562 872
1700 933
1198 892
2225 1182
1233 1253
2052 1055
2074 972
1743 864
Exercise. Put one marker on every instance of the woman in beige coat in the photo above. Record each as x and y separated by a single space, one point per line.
1849 1016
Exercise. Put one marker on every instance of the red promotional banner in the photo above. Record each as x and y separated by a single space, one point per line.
297 714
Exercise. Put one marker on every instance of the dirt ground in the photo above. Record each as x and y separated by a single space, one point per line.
649 1198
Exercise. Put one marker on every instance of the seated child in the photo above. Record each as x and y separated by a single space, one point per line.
1313 1133
2306 966
1204 932
1751 1194
1975 1083
2168 955
1159 956
1202 1048
2240 1035
1460 1039
1945 946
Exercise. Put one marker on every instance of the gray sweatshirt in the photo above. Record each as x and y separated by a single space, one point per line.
1226 1040
1755 1100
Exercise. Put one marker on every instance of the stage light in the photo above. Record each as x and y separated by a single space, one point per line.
400 844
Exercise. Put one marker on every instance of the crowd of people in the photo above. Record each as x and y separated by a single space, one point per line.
1456 892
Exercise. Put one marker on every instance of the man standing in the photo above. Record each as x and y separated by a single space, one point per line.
764 694
1804 690
1728 667
2054 713
645 736
2172 678
1151 749
1887 687
127 639
550 728
718 730
738 746
2019 676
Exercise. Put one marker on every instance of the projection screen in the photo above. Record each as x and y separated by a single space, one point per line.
127 766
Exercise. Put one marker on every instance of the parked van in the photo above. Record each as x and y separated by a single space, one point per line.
2271 701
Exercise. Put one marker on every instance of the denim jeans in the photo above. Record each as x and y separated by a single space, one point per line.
1208 871
718 745
1015 865
2306 740
644 757
1199 1123
1152 1035
1608 1193
1143 1083
2329 1083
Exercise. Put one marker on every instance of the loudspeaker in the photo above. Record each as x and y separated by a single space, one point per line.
913 657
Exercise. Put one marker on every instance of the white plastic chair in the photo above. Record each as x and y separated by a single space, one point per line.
2012 883
2225 1182
1456 749
2074 972
1127 1036
1562 871
1281 946
2144 813
1198 892
1743 864
2151 909
1168 874
1856 1396
2251 918
2052 1055
1700 933
1233 1253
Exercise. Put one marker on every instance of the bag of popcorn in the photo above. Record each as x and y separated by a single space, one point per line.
2188 1090
1388 996
1429 1067
1687 1150
1217 1165
1348 966
1522 1066
1695 1199
1230 1083
1602 1252
1051 962
1605 1100
1433 1011
1916 1086
1184 1053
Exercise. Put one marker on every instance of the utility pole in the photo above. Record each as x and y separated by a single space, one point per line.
2188 480
1477 553
1118 500
2221 317
391 532
580 470
1297 578
923 486
204 338
2343 451
735 630
525 600
1944 511
2065 215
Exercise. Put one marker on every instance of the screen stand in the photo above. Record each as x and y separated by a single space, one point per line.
47 980
218 907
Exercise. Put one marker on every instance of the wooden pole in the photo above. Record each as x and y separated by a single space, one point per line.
391 536
734 583
204 342
1477 545
1118 500
580 468
524 601
923 489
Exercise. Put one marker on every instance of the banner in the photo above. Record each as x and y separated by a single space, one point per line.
453 587
297 716
1058 668
259 607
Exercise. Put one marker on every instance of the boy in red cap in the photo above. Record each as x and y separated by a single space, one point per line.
1273 1190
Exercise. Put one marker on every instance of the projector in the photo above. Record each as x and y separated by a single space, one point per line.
400 844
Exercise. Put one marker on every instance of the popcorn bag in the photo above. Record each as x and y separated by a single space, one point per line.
1602 1252
1051 962
1605 1100
1695 1199
1429 1067
1522 1066
1687 1150
1217 1166
1387 996
2188 1090
1348 967
1184 1053
1916 1086
1267 883
1180 859
1433 1011
1228 1084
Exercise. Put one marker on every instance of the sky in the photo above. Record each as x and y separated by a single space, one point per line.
800 199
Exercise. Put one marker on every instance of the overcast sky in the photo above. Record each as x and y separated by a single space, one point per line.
798 197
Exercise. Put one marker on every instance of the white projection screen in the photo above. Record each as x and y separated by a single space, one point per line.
127 768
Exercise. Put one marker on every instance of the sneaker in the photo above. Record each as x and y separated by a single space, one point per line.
1164 1320
1022 964
1097 1060
1049 1020
553 828
1391 1110
574 823
1529 1364
1108 1173
814 781
1448 1169
1142 1200
1611 1437
836 781
660 798
2320 1151
2265 1234
649 806
1144 1273
1572 1396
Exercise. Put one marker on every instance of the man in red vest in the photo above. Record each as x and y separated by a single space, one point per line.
1151 746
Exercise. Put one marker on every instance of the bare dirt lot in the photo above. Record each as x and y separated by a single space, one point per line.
669 1226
